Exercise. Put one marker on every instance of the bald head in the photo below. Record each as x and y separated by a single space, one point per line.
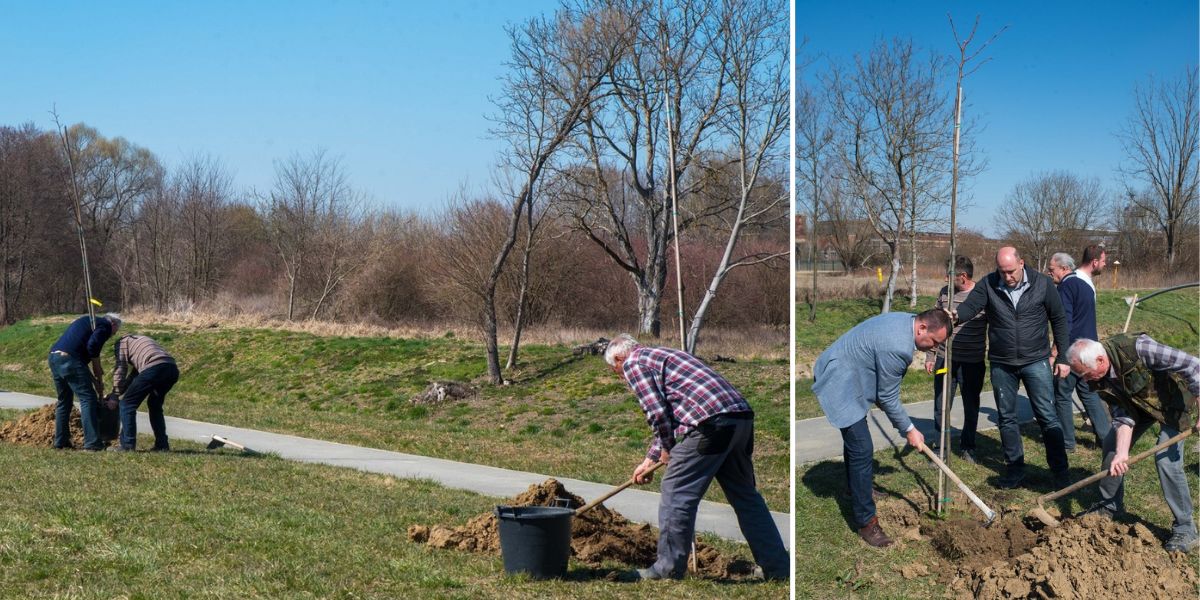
1010 265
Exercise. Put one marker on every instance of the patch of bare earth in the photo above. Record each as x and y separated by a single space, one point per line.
598 536
1087 557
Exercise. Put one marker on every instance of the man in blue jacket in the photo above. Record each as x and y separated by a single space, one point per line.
78 346
1020 303
862 368
1078 294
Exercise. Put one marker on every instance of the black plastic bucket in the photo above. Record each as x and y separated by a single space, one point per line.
535 539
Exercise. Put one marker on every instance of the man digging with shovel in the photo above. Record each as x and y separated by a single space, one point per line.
862 368
703 428
1144 382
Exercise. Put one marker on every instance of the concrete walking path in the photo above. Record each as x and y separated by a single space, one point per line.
815 439
637 505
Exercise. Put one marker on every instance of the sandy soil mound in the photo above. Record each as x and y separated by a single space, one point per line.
1088 557
599 535
37 429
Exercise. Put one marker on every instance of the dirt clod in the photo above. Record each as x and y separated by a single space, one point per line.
598 536
1088 557
36 428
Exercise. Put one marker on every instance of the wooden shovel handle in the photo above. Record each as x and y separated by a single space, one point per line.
612 492
1102 474
987 512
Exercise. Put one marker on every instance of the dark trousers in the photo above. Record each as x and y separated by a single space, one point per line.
151 385
1039 385
1095 408
721 448
73 379
970 376
1172 477
859 453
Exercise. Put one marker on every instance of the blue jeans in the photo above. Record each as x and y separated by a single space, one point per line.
1171 477
970 377
1096 411
73 379
859 453
152 384
1039 384
719 448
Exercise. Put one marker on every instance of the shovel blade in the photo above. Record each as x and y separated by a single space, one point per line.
215 443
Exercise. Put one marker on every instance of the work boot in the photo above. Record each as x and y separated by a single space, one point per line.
1013 476
648 574
1182 542
873 534
967 455
759 574
119 449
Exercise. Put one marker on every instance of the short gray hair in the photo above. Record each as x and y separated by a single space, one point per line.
1063 260
1085 352
114 319
619 347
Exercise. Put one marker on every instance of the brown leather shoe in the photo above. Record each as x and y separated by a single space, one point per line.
873 534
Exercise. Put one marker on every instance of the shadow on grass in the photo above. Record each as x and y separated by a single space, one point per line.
628 576
548 371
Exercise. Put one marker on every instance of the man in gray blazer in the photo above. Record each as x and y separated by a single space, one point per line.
862 368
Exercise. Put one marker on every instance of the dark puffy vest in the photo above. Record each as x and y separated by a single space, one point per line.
1140 392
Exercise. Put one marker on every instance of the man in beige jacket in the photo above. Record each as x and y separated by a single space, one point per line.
143 371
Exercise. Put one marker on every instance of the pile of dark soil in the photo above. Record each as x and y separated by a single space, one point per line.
36 428
598 536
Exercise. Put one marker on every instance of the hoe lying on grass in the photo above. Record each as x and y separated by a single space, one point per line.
218 441
1039 512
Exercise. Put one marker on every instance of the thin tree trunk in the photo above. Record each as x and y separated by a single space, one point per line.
523 294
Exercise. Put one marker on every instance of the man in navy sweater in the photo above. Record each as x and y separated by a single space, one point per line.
79 345
1078 294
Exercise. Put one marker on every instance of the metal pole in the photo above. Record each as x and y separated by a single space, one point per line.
97 371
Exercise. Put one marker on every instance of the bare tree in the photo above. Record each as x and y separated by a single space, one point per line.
306 207
846 226
1161 140
205 187
1051 211
33 202
755 122
891 114
675 71
814 138
556 69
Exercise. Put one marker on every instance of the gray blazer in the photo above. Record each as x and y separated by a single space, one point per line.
864 367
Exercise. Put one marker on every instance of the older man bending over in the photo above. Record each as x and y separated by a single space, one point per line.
705 429
1144 382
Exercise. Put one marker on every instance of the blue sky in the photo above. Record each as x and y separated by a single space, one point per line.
1058 86
398 90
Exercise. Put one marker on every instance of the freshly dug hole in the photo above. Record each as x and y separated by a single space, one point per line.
598 536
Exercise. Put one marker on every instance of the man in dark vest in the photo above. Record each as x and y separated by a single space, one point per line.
1022 305
1144 382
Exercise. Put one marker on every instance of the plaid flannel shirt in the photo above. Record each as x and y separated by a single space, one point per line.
1161 357
677 392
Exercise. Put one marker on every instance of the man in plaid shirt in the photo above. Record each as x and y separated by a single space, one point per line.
703 428
1144 382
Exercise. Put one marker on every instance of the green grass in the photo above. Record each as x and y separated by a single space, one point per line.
191 524
849 568
355 390
1170 318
